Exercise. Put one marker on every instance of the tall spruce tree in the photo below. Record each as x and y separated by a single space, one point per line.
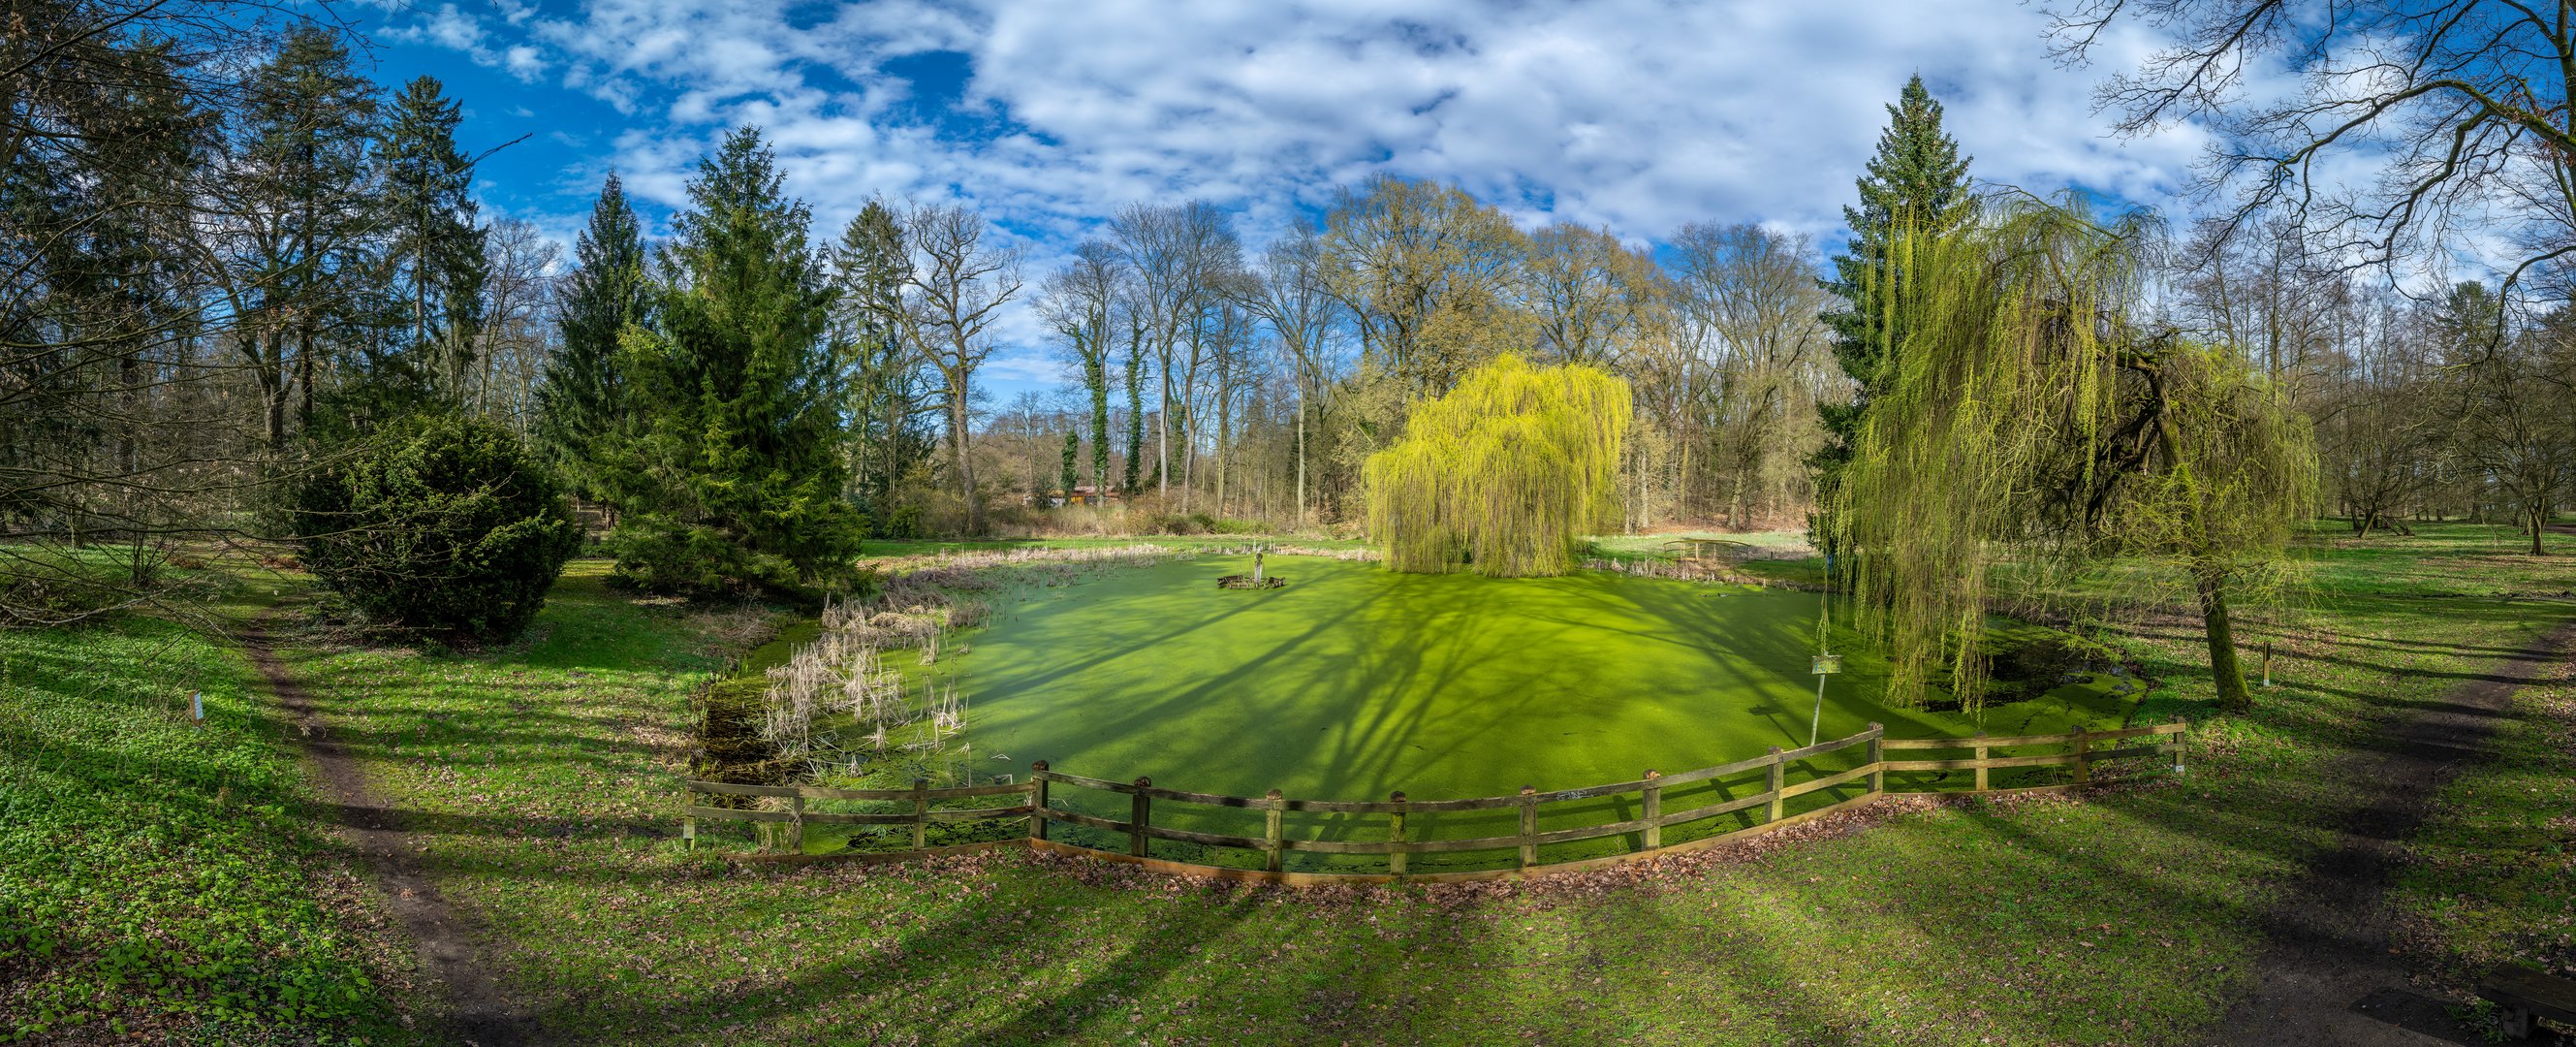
583 400
300 179
734 478
1916 183
887 398
436 249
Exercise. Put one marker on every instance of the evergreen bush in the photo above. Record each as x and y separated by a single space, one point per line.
445 526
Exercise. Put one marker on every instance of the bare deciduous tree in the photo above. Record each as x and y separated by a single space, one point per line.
961 277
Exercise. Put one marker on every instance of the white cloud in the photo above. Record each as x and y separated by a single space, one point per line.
1632 114
1635 114
464 33
523 62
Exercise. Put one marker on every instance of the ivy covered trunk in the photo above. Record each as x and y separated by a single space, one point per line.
2232 695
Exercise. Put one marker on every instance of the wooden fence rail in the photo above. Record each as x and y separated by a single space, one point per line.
1399 839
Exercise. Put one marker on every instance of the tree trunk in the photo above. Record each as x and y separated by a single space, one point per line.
1163 430
273 385
304 380
1301 452
2539 526
958 422
2232 695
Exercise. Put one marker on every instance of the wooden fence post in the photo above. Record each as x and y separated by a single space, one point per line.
1981 761
1529 826
1141 812
1274 814
2176 747
2083 756
1653 810
920 813
796 824
1037 800
688 822
1877 759
1395 834
1779 775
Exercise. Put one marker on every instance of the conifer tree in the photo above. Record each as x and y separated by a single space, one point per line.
436 248
1917 182
735 476
303 174
884 370
584 398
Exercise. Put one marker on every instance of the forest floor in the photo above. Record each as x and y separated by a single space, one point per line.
536 784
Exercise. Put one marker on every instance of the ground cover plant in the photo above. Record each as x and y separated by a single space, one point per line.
161 876
2127 917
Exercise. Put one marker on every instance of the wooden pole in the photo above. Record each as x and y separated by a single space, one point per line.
796 824
1653 811
1395 834
1037 800
2083 756
1529 826
1140 813
920 813
1273 815
2267 663
2177 745
1981 761
1877 758
1779 768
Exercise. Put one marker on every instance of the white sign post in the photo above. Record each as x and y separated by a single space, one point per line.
1826 665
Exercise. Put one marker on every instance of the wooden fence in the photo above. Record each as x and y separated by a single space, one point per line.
1390 827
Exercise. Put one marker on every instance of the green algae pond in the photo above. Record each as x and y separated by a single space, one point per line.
1353 682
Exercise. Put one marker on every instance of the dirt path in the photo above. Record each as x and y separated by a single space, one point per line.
2328 979
449 950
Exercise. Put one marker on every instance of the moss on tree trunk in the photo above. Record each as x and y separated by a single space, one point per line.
2232 695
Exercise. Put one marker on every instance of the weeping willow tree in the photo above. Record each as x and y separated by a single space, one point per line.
2034 428
1503 473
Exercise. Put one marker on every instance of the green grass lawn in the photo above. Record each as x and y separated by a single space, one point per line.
2492 875
161 876
543 775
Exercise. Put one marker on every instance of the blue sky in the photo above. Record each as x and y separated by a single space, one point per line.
1638 116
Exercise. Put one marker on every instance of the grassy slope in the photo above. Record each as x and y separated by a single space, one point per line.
2126 919
130 900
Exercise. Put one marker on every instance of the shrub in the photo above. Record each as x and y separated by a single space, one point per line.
447 526
657 555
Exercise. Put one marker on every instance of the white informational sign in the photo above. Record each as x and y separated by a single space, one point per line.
1827 663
